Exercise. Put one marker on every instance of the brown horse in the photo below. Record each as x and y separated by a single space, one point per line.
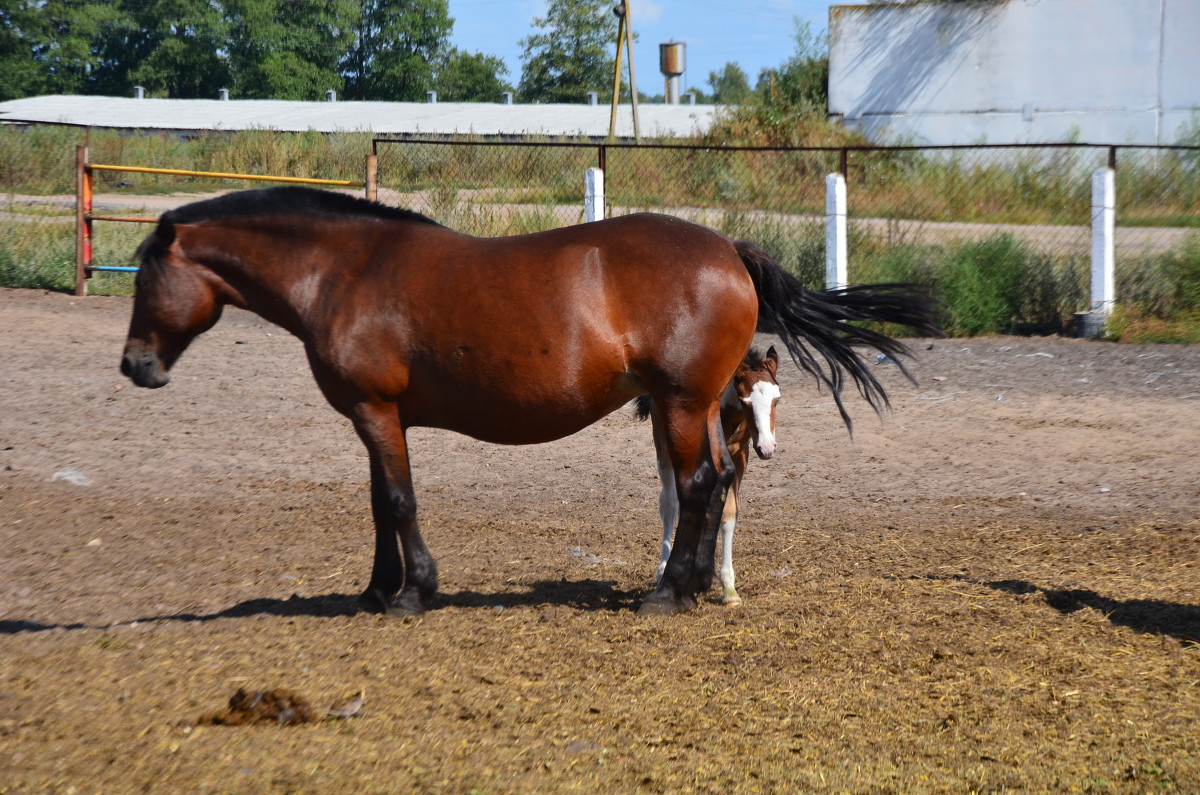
748 422
512 340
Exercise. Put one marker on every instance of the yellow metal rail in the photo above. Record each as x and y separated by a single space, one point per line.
219 175
84 194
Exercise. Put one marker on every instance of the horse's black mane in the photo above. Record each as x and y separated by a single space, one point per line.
287 200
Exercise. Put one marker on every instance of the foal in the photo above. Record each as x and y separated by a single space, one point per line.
748 419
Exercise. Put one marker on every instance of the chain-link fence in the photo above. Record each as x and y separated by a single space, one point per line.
1005 225
984 219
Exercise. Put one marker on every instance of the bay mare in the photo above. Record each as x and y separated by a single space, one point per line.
512 340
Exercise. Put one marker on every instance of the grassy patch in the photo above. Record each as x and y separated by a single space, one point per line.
40 254
1129 324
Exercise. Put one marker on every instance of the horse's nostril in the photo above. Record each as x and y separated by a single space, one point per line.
127 366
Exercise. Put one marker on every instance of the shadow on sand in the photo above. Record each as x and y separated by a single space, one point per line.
590 595
1150 616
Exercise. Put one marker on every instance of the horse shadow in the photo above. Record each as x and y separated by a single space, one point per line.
585 595
1149 616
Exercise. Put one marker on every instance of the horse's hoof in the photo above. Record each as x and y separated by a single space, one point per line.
731 600
372 601
665 603
406 605
401 605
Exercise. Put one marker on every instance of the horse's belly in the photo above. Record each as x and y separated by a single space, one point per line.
524 411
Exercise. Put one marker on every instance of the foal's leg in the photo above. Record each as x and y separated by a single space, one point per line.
701 483
729 594
726 474
394 507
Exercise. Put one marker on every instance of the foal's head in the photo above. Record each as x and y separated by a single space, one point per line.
176 300
758 389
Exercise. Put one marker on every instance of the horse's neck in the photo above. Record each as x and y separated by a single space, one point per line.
283 294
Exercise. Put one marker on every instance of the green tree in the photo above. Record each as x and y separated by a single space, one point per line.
802 82
471 77
730 86
288 49
396 44
573 53
59 35
19 28
173 48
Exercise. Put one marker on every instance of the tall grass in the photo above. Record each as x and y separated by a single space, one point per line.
1160 296
993 285
40 159
1036 185
40 253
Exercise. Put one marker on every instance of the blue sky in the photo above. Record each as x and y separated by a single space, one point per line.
753 33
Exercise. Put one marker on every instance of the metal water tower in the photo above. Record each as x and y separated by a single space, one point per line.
670 63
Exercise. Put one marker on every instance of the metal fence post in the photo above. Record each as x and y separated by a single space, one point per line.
83 220
371 182
836 270
593 195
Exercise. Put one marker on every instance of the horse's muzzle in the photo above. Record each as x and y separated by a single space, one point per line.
765 449
144 370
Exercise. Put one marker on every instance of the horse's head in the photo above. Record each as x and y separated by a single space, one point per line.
176 300
758 389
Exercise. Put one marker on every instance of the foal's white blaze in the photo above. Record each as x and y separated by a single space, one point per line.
762 397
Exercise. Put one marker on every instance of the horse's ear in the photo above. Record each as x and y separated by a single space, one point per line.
164 233
771 360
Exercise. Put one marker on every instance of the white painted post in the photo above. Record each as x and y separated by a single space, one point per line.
1104 213
593 195
836 270
1090 324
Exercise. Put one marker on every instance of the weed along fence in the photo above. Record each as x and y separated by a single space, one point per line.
1062 230
84 215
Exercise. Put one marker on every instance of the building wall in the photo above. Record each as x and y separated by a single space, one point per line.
1017 71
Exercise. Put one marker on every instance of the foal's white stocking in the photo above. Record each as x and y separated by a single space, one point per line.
729 594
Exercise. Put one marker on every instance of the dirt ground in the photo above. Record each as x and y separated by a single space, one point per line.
995 588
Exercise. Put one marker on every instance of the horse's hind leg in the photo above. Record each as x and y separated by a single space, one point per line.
668 500
703 471
394 507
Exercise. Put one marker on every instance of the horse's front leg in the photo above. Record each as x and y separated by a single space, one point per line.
394 507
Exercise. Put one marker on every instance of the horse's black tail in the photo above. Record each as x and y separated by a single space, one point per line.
641 407
818 325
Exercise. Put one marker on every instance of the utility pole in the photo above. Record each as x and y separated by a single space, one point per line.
624 37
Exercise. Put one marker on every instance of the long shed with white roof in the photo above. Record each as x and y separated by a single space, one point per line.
383 118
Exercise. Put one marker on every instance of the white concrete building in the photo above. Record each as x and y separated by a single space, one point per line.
1017 71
